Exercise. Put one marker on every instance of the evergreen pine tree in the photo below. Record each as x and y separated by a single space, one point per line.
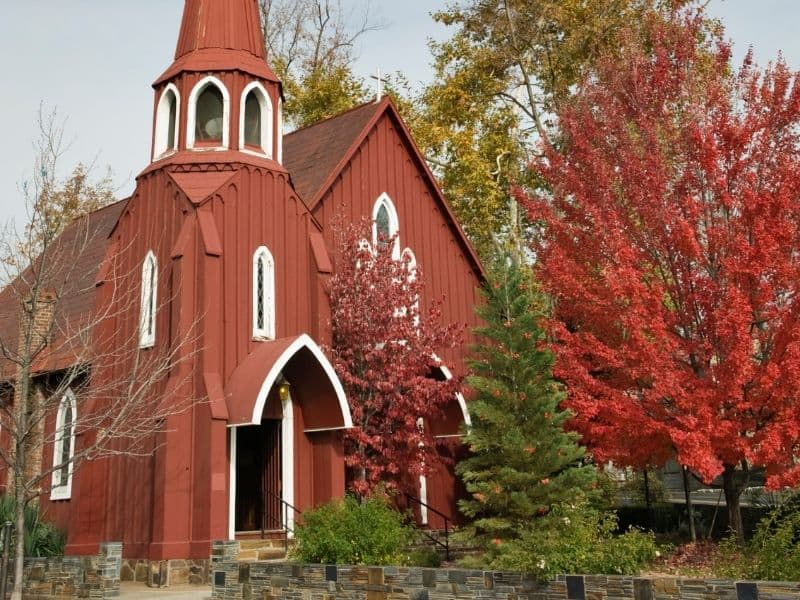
522 460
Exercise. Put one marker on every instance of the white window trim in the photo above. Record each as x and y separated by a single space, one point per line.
160 148
279 133
266 119
191 121
394 223
409 256
58 491
147 339
268 331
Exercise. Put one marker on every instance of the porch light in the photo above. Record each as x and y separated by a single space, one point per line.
284 387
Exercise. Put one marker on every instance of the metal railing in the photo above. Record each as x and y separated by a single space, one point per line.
282 521
447 527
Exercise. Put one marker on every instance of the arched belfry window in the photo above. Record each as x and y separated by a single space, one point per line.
209 115
255 128
167 113
263 294
147 319
385 224
64 448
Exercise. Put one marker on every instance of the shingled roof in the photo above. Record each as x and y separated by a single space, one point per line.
71 276
312 154
316 154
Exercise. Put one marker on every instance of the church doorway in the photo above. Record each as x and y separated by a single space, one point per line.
258 477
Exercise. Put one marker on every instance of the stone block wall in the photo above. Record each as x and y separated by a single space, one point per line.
164 573
238 580
74 577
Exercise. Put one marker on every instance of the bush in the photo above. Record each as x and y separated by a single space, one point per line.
351 532
424 557
774 551
41 538
574 540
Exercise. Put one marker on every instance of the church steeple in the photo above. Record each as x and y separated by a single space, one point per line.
219 93
228 24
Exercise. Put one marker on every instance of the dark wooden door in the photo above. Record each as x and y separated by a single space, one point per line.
258 477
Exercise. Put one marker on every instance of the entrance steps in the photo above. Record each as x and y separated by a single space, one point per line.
270 548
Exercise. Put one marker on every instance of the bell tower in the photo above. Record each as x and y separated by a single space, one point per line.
219 94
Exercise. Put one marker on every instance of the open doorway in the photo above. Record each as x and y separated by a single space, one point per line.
258 477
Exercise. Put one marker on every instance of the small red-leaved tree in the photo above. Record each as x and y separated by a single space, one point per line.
384 351
671 244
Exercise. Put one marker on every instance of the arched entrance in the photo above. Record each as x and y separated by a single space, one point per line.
284 402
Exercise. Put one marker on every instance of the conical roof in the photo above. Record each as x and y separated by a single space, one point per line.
220 35
221 24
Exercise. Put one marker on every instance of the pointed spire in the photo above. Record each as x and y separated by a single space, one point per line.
224 24
220 35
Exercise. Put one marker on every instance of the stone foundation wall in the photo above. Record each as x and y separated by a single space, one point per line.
163 573
237 580
74 577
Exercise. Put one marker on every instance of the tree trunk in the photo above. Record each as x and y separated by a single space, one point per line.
19 557
687 492
647 500
733 493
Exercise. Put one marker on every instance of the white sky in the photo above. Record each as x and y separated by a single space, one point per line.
94 61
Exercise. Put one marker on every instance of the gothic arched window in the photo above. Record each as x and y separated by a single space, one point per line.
147 319
255 131
166 137
209 113
64 448
263 294
385 225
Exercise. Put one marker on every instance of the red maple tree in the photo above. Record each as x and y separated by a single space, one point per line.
670 240
384 350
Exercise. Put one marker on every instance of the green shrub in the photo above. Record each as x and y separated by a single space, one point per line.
574 540
351 532
41 538
424 557
774 551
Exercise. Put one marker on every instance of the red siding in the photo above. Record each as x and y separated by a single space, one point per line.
386 164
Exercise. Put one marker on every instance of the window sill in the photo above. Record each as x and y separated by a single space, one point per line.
61 493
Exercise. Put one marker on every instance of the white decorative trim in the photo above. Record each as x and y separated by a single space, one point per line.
232 488
267 332
279 133
57 490
266 119
304 341
192 113
160 138
148 310
287 461
423 483
459 396
423 495
394 223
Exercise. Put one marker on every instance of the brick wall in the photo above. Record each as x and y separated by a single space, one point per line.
236 580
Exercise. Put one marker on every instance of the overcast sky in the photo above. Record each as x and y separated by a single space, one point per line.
94 61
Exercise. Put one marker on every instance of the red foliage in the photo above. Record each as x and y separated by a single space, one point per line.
671 243
384 351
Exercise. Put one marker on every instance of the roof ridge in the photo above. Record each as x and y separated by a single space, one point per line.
336 116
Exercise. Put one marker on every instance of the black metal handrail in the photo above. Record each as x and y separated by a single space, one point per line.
283 519
447 521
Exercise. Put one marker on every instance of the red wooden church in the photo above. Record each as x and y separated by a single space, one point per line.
227 242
